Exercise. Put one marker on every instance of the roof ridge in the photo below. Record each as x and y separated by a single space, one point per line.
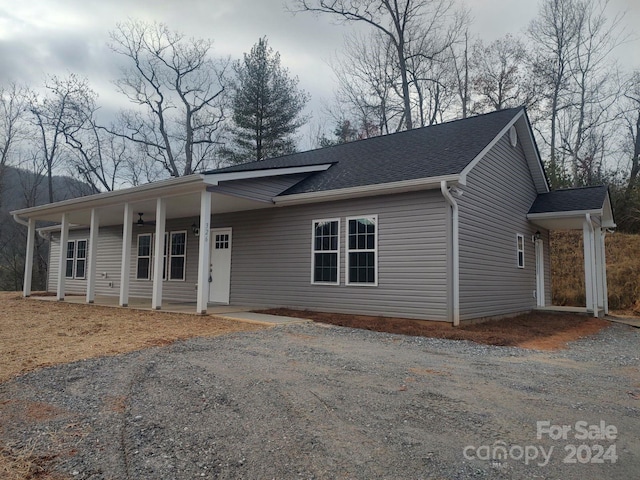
360 141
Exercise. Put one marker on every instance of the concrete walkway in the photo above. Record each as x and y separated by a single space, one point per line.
633 321
231 312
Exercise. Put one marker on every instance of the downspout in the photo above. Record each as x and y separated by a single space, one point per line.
455 251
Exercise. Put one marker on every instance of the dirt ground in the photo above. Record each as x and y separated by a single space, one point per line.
314 401
36 334
538 331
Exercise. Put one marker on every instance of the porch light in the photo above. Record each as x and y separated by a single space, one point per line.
195 229
536 236
140 221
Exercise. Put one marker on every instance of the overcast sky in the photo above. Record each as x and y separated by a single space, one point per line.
39 37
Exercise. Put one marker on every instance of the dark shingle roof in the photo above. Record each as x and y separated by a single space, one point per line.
570 200
443 149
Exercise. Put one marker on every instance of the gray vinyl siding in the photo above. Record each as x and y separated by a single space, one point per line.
109 262
271 257
493 209
261 189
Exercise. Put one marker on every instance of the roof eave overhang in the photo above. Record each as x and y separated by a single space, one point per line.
365 190
216 178
163 188
546 218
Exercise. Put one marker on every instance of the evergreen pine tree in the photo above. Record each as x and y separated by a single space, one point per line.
267 107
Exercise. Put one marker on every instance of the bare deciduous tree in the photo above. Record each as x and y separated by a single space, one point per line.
179 90
499 76
51 115
403 24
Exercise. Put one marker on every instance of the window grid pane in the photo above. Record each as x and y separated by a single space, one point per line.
325 251
362 253
177 258
143 267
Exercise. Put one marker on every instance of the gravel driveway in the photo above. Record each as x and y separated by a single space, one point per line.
314 401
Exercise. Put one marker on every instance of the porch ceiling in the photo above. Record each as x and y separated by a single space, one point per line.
179 206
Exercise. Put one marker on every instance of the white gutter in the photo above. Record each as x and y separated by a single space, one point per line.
138 193
363 191
455 251
19 220
568 213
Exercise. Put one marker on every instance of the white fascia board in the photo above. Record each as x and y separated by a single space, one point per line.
490 145
170 187
572 213
364 191
216 178
534 147
56 228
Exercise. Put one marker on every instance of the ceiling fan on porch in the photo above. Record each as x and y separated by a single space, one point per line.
142 223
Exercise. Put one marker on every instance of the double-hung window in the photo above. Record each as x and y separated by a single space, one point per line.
362 250
520 249
178 255
326 248
143 266
173 256
76 259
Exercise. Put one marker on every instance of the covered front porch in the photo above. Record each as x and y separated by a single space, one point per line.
195 198
587 209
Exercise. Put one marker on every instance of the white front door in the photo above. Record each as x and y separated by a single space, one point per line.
220 268
540 272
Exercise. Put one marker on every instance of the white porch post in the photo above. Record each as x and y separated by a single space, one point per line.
603 258
28 259
590 266
62 261
597 240
92 253
125 266
540 293
158 259
204 252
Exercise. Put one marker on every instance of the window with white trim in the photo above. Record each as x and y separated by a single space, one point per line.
178 255
81 258
326 252
520 249
76 259
143 264
362 250
174 257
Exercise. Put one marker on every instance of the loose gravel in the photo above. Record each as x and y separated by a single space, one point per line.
313 401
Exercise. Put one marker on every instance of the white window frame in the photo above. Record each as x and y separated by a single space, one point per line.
74 259
314 251
150 256
349 250
166 260
520 250
70 259
170 256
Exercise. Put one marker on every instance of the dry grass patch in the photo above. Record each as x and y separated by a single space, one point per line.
540 331
623 270
36 333
24 464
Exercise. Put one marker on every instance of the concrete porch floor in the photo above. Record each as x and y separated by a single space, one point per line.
231 312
